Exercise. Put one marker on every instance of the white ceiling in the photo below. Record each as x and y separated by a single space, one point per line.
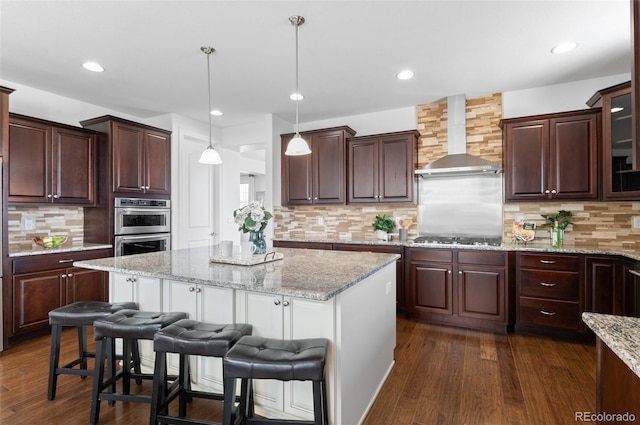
350 52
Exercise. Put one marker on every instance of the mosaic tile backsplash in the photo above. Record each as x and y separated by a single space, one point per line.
49 220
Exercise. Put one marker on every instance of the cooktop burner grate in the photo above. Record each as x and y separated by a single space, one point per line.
457 240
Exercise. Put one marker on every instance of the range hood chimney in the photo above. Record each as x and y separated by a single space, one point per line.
458 161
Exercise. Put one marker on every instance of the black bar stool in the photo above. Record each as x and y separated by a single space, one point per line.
285 360
79 314
131 326
187 337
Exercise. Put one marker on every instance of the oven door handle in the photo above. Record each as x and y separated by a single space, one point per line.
149 236
145 211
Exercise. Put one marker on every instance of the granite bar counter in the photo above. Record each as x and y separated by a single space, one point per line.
617 366
346 297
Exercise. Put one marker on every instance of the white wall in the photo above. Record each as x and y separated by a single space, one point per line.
556 98
374 123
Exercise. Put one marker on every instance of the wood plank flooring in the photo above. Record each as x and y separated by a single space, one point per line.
442 375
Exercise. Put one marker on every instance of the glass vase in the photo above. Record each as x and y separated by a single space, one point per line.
557 236
258 240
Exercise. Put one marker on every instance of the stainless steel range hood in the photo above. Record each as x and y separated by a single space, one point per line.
458 161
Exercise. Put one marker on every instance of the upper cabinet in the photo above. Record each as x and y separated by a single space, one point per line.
318 178
141 156
50 163
380 167
620 163
552 157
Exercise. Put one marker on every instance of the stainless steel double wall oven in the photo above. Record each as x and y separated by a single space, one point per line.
142 225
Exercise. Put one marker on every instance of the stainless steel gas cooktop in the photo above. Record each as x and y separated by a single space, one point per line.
457 240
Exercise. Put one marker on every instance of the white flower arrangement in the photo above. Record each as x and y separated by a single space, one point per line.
252 217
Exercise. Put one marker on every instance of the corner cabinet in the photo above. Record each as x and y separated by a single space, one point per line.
380 167
552 157
141 156
50 163
318 178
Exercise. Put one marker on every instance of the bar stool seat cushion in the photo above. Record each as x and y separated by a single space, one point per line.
134 324
192 337
84 313
256 357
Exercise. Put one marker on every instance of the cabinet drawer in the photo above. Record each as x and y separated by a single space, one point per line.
35 263
558 314
368 248
488 258
570 263
550 284
426 254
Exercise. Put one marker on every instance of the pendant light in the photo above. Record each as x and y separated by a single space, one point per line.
210 155
297 145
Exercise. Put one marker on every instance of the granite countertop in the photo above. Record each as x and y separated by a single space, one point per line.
38 250
620 333
303 273
536 246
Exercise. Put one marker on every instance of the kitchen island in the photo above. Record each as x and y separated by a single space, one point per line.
617 367
347 297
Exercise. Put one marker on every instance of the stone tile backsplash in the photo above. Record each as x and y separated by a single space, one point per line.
49 220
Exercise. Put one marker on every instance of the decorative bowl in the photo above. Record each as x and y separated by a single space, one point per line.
49 241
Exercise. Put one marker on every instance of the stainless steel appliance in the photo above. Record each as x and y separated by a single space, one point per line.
141 225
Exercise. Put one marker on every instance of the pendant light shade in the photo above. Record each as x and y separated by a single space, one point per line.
210 155
297 145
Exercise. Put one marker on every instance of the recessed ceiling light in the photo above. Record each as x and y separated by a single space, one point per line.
296 96
93 66
616 109
564 47
216 113
404 75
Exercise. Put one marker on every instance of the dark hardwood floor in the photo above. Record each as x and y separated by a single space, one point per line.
442 376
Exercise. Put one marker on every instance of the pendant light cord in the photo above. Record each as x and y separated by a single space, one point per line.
208 52
297 91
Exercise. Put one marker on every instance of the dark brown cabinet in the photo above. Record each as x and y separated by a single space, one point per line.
50 163
318 178
552 157
549 290
141 156
40 284
380 167
610 286
463 288
620 167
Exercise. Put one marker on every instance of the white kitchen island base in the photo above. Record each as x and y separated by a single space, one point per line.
358 320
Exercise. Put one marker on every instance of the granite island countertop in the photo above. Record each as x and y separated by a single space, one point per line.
620 333
534 246
303 273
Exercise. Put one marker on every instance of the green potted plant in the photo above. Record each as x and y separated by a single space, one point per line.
383 225
557 222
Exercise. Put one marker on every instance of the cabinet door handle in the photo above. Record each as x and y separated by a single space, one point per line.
635 273
70 275
49 195
553 191
198 290
285 303
63 275
309 198
56 196
146 188
547 261
546 191
548 313
191 289
460 272
547 284
276 301
70 260
449 271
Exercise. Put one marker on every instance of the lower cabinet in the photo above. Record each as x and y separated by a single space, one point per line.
285 318
42 283
458 287
147 294
204 303
610 286
549 290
